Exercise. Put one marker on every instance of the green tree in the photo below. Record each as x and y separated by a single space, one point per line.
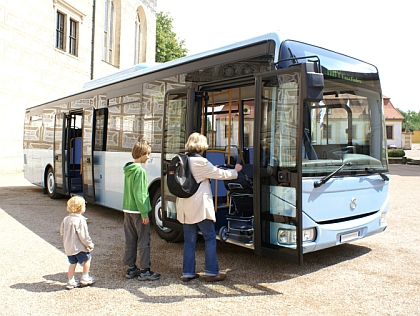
412 119
168 46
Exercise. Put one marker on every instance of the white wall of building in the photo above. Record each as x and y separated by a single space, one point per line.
34 71
398 137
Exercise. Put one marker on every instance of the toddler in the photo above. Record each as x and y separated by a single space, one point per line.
77 242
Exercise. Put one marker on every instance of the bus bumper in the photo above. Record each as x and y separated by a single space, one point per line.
329 235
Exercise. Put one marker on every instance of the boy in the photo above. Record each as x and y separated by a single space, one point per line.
77 242
136 206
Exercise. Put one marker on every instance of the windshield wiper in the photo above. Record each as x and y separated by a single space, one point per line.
373 170
317 184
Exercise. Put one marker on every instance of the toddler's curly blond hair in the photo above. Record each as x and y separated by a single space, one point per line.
76 204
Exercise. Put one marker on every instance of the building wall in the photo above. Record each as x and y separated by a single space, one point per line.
34 71
397 139
416 136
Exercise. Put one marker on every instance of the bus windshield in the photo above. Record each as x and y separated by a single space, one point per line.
346 127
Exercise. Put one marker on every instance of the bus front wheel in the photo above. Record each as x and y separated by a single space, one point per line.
50 185
166 233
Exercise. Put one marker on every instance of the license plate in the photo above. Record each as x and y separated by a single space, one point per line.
349 237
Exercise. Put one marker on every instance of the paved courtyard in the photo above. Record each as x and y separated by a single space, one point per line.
414 152
374 276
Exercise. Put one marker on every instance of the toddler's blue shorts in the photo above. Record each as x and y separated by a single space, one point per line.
80 258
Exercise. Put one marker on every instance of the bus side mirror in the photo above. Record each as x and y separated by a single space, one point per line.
313 83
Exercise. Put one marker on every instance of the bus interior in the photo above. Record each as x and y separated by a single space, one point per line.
227 121
72 144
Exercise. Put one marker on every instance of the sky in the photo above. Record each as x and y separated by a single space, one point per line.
383 33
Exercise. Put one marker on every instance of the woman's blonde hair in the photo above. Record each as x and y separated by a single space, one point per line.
140 148
196 142
75 204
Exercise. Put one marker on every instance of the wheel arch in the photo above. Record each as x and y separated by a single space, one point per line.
168 234
153 187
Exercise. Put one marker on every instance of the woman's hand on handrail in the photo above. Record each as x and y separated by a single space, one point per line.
238 167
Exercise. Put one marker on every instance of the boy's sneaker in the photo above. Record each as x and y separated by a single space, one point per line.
132 273
147 275
72 285
86 281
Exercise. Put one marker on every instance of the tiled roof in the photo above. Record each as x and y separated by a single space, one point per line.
391 113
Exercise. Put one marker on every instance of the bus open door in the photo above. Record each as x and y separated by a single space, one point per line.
278 133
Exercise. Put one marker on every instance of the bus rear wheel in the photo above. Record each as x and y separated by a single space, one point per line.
50 185
166 233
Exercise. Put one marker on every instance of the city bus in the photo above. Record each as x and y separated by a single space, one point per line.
306 123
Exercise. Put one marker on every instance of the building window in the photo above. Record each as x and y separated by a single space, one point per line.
137 40
60 31
326 131
226 131
140 36
73 38
389 132
354 131
108 32
68 19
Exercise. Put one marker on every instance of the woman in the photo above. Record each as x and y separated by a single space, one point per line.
197 212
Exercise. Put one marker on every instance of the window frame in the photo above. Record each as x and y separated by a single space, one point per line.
108 36
327 131
137 39
391 129
67 39
60 30
73 37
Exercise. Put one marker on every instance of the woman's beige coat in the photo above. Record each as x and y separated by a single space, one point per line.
200 206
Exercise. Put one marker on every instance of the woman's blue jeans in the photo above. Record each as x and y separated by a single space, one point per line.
190 240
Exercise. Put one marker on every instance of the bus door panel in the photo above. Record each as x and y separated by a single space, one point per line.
87 156
179 122
59 165
99 137
277 192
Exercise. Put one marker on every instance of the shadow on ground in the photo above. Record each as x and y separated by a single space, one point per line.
247 273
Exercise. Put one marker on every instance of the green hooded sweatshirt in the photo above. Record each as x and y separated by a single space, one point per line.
136 195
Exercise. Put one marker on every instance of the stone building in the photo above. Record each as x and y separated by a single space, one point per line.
50 48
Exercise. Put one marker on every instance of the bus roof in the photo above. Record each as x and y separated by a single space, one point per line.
143 68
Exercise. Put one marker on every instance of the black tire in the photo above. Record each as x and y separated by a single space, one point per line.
166 233
50 185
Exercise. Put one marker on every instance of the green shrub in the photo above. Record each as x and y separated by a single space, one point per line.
396 153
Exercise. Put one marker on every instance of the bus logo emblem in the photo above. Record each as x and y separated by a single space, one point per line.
353 204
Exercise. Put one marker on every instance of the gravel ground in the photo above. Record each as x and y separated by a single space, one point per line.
374 276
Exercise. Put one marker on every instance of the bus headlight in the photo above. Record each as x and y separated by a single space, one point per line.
308 234
288 236
283 236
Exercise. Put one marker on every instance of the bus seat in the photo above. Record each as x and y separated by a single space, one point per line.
217 159
76 150
235 157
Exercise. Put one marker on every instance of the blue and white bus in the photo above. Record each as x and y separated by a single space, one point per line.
307 123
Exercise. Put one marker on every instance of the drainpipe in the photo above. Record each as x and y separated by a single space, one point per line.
92 50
